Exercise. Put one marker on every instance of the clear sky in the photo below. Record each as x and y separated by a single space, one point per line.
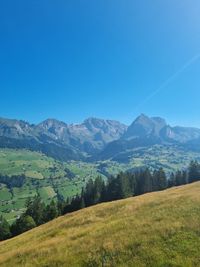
111 59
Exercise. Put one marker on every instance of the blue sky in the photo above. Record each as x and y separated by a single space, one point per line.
75 59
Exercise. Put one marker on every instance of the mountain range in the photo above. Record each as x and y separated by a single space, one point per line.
95 139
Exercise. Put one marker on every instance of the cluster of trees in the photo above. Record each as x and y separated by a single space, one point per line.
36 213
5 232
122 186
13 181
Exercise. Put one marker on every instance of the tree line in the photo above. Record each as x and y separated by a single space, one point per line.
124 185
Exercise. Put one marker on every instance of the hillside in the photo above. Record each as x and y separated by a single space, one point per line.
157 229
44 176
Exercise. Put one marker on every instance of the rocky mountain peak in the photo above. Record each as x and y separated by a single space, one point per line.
144 126
49 123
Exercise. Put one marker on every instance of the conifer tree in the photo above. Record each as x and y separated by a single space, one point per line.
184 177
5 232
145 183
22 224
133 183
89 193
98 186
171 180
178 178
36 209
194 172
51 211
159 180
124 186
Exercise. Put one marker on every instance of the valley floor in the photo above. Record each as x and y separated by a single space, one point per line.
156 229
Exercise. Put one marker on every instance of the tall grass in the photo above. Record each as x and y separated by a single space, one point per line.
157 229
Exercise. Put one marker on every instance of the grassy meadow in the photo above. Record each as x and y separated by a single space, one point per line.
159 229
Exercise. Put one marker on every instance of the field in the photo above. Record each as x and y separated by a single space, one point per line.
45 176
156 229
169 158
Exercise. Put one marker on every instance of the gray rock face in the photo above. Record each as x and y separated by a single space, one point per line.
144 126
15 129
182 134
90 136
146 131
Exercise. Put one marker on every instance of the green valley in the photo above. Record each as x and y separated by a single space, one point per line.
53 179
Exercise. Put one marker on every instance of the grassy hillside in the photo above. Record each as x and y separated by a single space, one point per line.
157 229
37 166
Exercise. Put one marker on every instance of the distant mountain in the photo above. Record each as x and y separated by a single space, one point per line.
60 140
146 131
89 137
20 134
14 128
144 127
155 127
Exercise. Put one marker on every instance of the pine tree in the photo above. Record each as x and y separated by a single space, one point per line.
77 203
51 211
194 172
113 189
104 196
145 182
124 186
89 193
171 180
60 207
133 183
82 203
184 177
5 232
98 186
159 180
36 209
137 184
23 224
178 178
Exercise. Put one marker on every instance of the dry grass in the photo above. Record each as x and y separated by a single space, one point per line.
157 229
